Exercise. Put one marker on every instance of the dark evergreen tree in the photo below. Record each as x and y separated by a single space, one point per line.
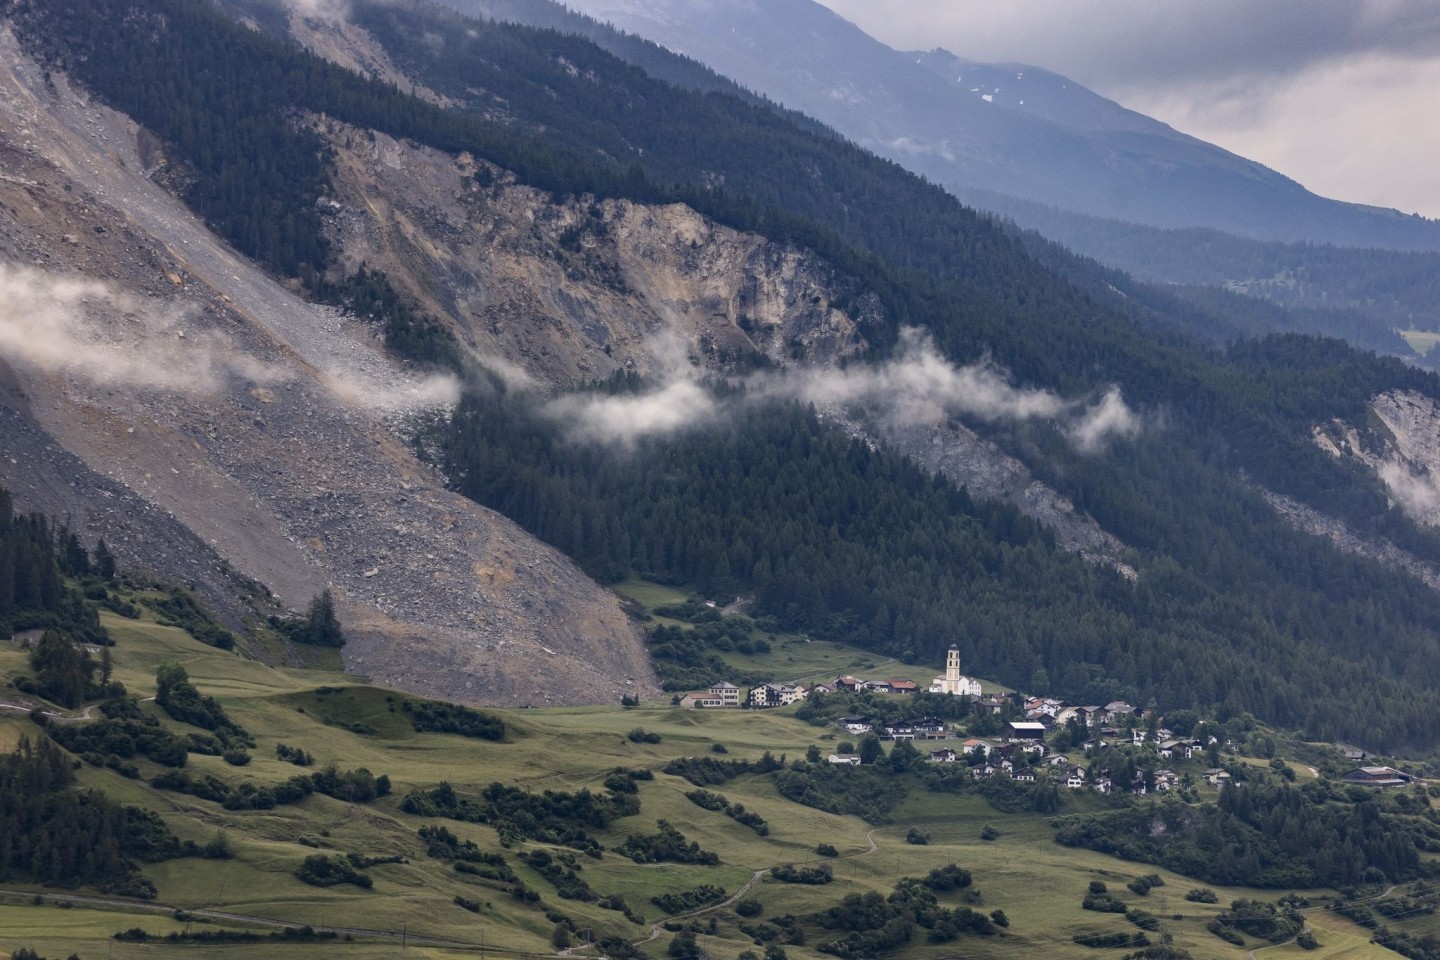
322 626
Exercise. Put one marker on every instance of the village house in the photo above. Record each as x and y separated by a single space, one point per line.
1048 706
983 772
765 695
847 683
1217 778
1165 781
876 686
984 747
991 705
1181 749
1118 711
728 693
1075 778
698 700
1377 777
854 724
944 756
899 730
931 728
903 686
774 695
1024 775
844 759
1025 730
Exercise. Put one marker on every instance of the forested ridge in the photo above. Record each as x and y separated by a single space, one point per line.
847 542
1381 289
1233 609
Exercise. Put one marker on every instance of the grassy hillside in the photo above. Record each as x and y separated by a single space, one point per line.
1037 883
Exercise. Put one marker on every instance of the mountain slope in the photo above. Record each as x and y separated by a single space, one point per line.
259 425
973 131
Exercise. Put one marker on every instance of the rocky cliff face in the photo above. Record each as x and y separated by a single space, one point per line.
179 383
1400 442
570 291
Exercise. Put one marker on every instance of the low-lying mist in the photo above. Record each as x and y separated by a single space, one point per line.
916 387
85 329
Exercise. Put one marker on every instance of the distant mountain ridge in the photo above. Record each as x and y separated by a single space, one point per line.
964 125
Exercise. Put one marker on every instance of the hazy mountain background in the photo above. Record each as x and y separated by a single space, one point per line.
1013 129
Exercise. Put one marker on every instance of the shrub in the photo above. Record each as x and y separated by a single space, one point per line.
1143 885
1225 933
749 908
689 899
916 836
791 873
293 755
1202 895
319 870
1103 903
827 850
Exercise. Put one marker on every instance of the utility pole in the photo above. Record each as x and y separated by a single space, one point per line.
404 931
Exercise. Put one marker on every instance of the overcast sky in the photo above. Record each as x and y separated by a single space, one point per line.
1342 95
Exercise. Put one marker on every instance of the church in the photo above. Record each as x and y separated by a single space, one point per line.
952 683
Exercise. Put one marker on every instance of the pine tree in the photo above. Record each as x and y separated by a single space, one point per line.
322 627
104 565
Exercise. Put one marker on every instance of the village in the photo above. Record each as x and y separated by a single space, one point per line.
1023 750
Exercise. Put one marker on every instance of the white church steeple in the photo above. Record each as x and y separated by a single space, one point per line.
953 683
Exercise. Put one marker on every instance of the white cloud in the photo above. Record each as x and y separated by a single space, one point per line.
1417 494
916 387
1108 418
332 10
83 328
1350 130
624 419
921 386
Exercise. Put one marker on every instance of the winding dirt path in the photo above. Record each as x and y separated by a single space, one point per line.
656 928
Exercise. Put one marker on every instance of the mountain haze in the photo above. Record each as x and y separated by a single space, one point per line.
1011 129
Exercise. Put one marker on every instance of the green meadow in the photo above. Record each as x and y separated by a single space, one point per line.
1038 884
